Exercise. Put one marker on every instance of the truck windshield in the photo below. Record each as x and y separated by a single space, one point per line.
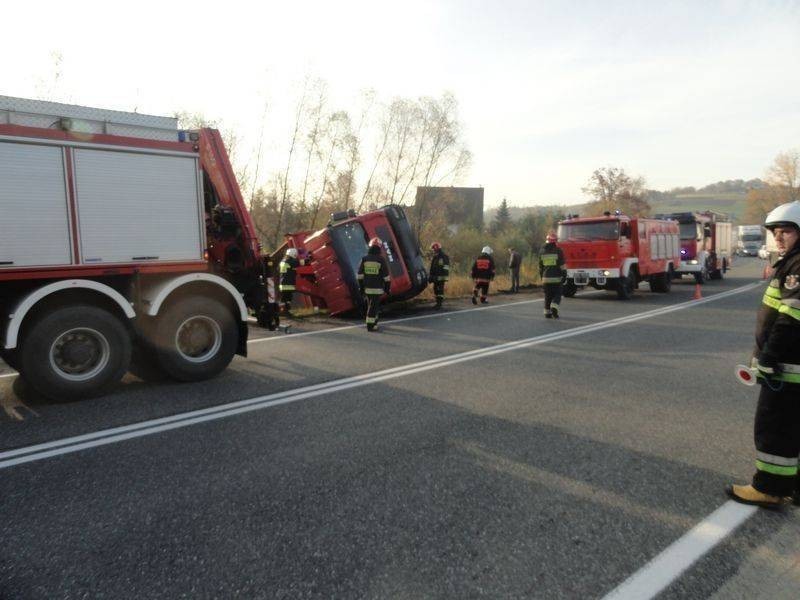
353 240
751 237
603 230
688 231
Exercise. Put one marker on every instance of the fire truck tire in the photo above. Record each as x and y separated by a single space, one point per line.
195 339
626 285
11 357
569 289
75 352
661 283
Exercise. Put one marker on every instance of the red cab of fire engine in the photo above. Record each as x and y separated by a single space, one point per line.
616 252
332 256
706 244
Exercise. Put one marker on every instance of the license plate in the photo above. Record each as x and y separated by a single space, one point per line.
581 278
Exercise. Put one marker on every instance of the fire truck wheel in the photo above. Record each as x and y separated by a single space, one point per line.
75 352
11 357
195 339
569 289
626 286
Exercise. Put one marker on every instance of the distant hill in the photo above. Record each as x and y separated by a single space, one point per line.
724 196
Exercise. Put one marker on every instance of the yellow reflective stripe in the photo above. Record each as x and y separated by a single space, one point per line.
775 469
371 320
788 310
286 288
373 291
771 302
371 268
773 292
285 267
549 260
551 279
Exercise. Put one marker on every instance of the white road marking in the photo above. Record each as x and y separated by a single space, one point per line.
403 319
665 568
23 455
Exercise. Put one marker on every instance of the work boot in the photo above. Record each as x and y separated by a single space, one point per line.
484 301
747 494
474 299
554 310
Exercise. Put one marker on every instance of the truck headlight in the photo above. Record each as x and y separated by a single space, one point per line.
692 262
606 273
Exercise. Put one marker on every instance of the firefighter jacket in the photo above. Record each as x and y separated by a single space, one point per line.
778 321
440 267
373 273
551 264
288 272
483 268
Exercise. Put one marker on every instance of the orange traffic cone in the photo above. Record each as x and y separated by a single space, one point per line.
697 294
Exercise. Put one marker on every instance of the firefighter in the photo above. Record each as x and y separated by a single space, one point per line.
373 281
482 274
439 272
288 278
553 273
777 360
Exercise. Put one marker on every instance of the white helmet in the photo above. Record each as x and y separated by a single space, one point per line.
788 213
486 250
291 252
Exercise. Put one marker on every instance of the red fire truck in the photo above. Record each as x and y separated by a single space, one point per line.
332 255
125 243
706 244
617 252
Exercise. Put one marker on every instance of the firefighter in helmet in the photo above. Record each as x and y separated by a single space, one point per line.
288 278
439 272
553 273
776 359
373 281
482 273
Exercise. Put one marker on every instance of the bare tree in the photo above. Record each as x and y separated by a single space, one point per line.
406 119
612 189
284 191
385 130
315 116
352 145
338 128
785 174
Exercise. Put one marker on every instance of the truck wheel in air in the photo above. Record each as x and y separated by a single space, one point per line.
75 352
569 289
626 285
195 339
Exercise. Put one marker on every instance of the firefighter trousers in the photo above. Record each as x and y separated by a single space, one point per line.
552 297
777 439
373 309
438 291
482 289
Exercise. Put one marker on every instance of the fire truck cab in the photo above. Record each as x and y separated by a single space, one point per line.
617 252
332 255
706 244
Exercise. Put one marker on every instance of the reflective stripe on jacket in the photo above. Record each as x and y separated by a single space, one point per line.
483 268
551 264
373 274
440 267
778 321
288 273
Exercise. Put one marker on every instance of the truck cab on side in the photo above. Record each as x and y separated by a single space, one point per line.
124 244
333 254
617 252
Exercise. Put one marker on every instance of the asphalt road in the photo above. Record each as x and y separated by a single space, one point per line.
470 453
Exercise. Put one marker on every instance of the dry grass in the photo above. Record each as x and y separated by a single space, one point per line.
461 285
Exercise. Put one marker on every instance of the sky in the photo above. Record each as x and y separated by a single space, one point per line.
680 93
